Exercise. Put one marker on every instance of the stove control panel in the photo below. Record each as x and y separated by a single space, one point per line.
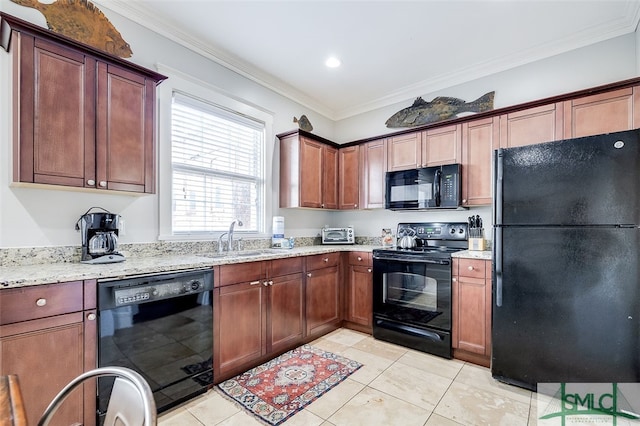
453 231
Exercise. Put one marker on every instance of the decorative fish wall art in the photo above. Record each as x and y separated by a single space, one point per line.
82 21
440 108
303 123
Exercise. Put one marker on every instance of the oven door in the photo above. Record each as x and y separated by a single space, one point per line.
412 302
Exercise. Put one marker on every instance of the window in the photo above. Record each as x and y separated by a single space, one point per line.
217 168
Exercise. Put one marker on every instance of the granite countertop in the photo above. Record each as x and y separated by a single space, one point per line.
47 273
472 254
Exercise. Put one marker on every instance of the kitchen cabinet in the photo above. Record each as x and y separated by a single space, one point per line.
404 151
471 310
348 184
359 292
48 336
323 294
308 172
259 310
479 139
373 165
606 112
441 145
533 125
84 119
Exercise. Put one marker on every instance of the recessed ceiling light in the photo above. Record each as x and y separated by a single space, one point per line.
333 62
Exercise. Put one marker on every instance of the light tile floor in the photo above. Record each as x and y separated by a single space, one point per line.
395 386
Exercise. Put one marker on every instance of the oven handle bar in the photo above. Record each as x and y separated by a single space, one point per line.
410 330
412 260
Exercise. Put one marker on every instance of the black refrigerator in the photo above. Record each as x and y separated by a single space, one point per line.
566 282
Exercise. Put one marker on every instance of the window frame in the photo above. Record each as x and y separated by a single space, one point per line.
199 90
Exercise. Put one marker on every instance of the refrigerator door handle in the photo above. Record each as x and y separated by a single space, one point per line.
498 189
498 265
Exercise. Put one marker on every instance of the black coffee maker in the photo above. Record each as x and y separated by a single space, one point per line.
99 237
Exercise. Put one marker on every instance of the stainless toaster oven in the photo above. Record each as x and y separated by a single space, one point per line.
338 235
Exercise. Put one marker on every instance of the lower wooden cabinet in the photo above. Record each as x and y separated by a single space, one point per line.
322 294
359 292
47 338
260 315
471 310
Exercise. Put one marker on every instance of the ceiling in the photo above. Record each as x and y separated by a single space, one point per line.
391 51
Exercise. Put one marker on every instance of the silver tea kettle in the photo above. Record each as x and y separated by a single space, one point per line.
407 242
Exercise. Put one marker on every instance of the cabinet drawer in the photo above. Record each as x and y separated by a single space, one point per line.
41 301
472 268
319 261
360 258
241 272
280 267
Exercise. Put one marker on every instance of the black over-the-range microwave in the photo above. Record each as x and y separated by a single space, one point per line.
426 188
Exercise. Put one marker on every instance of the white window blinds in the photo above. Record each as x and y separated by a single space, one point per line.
217 166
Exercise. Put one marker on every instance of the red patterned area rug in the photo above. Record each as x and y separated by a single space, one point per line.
276 390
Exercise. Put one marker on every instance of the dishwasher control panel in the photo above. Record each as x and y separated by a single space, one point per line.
136 290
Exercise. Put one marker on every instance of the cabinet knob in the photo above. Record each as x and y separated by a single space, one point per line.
103 184
266 283
325 260
464 201
322 205
355 206
454 279
368 269
91 316
359 259
309 274
41 302
91 182
270 282
470 268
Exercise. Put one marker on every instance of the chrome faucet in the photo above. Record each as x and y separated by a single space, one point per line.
220 246
230 234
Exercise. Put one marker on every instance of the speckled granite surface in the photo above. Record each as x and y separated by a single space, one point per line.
144 260
470 254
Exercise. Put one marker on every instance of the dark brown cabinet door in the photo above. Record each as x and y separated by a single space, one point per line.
323 300
124 130
372 174
241 321
46 354
311 158
348 187
360 295
329 186
55 126
286 312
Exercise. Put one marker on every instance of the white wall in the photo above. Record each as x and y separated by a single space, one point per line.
46 217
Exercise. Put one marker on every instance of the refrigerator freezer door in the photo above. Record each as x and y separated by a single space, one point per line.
584 181
569 306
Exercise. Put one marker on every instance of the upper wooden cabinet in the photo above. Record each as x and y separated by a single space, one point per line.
348 183
479 140
373 165
531 126
83 118
404 151
607 112
308 172
441 145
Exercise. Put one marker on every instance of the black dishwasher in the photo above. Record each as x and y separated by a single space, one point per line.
162 327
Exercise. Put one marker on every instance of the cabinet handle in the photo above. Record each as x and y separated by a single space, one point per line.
266 283
309 274
470 268
355 206
41 302
325 260
454 279
91 182
91 317
359 259
103 184
270 282
254 282
368 269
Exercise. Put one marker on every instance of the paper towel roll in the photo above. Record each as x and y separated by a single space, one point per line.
278 227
